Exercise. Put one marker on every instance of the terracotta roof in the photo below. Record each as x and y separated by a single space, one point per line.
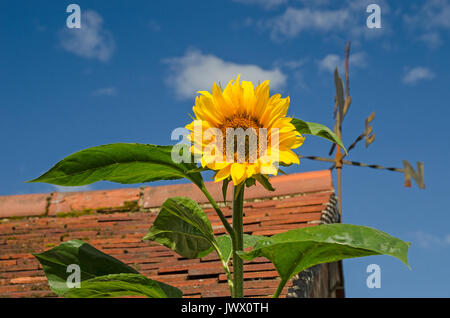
115 221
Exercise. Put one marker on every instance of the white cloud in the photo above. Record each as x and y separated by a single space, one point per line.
196 71
314 3
291 64
347 18
416 74
432 39
271 4
72 189
430 19
331 61
267 4
106 91
294 21
432 14
91 40
427 240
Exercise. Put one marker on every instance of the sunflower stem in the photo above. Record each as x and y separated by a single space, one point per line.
238 244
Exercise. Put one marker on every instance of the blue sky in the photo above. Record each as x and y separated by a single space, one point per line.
131 72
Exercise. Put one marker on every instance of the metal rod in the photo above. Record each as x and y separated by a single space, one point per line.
352 163
361 164
358 139
338 164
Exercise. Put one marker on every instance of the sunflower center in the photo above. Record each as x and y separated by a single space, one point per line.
240 121
244 122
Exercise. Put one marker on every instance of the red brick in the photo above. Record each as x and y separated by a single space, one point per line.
314 181
311 199
8 263
178 265
197 283
286 184
204 267
23 205
28 280
292 219
169 278
79 201
155 196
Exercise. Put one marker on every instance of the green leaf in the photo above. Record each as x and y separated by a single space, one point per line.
120 162
308 128
183 226
119 285
225 245
264 181
293 251
225 188
250 182
92 262
100 274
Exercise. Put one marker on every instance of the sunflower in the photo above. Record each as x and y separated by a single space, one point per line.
240 105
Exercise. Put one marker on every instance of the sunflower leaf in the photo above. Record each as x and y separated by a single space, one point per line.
250 182
264 181
100 275
225 244
184 227
225 189
119 285
296 250
120 162
319 130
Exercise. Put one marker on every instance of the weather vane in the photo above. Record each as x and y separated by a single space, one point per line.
341 107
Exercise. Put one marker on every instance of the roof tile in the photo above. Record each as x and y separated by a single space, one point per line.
23 205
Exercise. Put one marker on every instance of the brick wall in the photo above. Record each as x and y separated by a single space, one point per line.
115 221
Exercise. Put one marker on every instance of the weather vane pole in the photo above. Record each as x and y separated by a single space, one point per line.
342 103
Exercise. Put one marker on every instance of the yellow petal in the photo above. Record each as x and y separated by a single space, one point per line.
222 174
288 157
218 165
237 173
269 168
248 97
251 170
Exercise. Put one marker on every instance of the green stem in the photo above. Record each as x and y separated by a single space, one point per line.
229 277
238 243
225 266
